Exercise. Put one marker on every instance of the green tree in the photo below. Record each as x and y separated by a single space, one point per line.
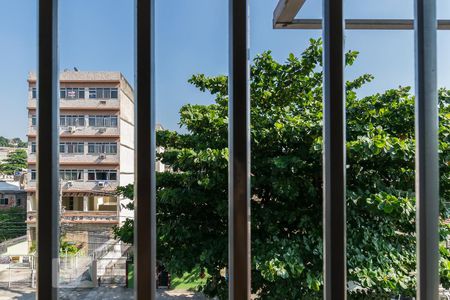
15 161
15 142
286 181
4 142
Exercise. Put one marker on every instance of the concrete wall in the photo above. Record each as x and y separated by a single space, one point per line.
126 145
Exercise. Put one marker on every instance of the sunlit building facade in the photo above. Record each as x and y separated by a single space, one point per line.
96 152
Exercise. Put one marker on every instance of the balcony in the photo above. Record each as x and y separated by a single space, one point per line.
93 187
99 217
71 159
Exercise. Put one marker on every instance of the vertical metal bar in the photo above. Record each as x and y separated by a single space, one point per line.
427 165
335 272
239 146
145 187
48 151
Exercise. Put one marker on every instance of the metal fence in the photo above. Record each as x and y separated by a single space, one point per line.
17 271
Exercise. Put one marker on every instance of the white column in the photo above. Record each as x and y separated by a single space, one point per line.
85 203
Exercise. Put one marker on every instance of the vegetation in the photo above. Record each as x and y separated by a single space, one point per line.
189 281
16 161
15 142
68 248
12 223
286 184
65 247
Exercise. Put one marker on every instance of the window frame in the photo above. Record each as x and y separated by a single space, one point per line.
74 146
72 175
107 172
102 148
72 121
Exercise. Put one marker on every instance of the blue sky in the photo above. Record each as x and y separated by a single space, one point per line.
192 37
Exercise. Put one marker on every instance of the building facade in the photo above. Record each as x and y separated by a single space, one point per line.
96 152
11 195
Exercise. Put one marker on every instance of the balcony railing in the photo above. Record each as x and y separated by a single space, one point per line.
100 217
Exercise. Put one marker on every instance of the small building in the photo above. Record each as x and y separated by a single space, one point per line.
11 195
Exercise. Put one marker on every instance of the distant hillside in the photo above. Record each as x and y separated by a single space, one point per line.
15 142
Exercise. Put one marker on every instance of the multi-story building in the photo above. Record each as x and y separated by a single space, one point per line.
96 151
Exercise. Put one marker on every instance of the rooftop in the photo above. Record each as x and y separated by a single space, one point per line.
9 186
84 76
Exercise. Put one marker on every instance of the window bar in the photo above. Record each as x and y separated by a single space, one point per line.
239 147
48 152
145 181
427 166
334 238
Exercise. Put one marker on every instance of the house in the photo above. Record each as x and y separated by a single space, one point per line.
11 195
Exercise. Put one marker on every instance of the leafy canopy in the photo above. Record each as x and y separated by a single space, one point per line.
16 161
286 184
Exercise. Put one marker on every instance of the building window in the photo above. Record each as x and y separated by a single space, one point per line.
33 174
102 175
69 120
33 93
92 93
71 147
98 148
18 202
114 93
71 175
81 93
3 201
71 93
33 120
103 121
33 147
103 93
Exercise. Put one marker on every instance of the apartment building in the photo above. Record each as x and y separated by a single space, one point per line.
96 152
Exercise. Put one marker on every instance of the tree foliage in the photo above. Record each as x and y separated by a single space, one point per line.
15 142
16 161
286 184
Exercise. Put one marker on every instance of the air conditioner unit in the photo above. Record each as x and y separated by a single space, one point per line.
69 183
102 101
102 156
101 184
102 129
71 129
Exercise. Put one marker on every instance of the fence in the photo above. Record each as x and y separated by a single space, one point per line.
17 271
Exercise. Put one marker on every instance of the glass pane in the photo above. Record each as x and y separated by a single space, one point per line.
92 93
114 94
18 148
100 93
81 93
106 93
90 216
